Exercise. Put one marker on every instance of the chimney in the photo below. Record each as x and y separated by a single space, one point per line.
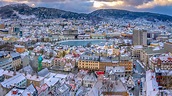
37 75
25 73
28 94
152 77
14 71
32 74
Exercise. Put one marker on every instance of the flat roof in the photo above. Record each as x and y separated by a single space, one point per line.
153 50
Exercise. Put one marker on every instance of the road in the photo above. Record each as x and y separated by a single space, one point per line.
139 72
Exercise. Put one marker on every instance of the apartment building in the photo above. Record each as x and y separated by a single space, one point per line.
100 63
18 80
140 37
147 53
162 62
16 59
6 63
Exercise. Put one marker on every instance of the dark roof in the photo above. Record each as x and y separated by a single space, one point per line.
43 72
28 69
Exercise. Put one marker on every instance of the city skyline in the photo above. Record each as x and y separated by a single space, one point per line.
87 6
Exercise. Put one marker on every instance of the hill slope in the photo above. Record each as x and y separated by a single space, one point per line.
24 11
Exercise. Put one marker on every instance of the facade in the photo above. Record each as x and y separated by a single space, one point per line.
47 62
67 37
34 79
69 34
116 51
104 64
163 78
162 62
2 26
147 53
59 62
3 31
16 60
124 61
127 64
89 80
136 51
140 37
83 36
153 35
97 36
168 46
112 35
89 62
6 63
19 48
100 63
2 77
119 71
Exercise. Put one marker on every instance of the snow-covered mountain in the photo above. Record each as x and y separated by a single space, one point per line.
23 11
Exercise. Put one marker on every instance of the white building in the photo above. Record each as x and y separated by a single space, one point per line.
151 85
18 80
89 80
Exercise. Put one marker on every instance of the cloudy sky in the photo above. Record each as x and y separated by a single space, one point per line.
86 6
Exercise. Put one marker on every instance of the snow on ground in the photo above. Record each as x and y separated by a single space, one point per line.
24 16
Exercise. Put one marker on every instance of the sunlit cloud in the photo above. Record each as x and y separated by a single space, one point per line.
33 5
87 6
155 3
102 4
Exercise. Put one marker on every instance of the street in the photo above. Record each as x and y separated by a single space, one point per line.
139 73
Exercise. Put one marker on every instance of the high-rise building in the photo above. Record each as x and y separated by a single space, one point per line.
139 37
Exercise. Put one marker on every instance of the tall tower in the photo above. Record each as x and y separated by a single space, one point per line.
140 37
40 63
